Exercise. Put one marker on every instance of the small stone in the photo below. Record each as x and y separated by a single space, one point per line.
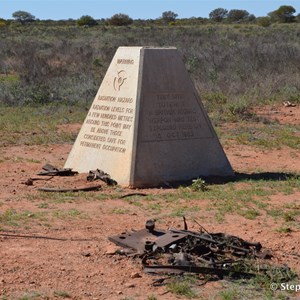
129 285
119 293
86 254
28 182
111 250
135 275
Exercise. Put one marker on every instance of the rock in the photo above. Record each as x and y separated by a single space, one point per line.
111 250
28 182
135 275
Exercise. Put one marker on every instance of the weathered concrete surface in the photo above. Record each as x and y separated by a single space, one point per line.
105 140
147 125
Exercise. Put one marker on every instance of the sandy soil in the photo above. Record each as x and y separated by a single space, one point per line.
83 265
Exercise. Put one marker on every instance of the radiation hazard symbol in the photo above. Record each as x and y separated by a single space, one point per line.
119 80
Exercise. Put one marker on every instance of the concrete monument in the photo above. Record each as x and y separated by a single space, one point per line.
147 125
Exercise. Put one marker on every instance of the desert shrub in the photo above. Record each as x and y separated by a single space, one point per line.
2 22
120 20
23 16
86 21
284 14
218 14
215 101
264 21
169 16
237 15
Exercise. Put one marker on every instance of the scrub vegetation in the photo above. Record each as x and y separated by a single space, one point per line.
234 66
50 73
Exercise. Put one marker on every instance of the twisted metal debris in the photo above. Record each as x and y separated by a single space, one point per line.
176 251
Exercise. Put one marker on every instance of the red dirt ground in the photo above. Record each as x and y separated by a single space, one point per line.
84 267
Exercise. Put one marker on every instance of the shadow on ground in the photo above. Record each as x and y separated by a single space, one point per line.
266 176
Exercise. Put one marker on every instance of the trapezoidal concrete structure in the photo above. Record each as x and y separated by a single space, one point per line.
147 125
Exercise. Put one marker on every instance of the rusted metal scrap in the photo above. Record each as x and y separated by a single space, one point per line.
64 190
133 194
99 174
50 170
182 251
30 181
147 239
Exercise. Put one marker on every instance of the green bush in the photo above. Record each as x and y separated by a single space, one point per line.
264 21
120 20
2 22
284 14
199 185
86 21
23 16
